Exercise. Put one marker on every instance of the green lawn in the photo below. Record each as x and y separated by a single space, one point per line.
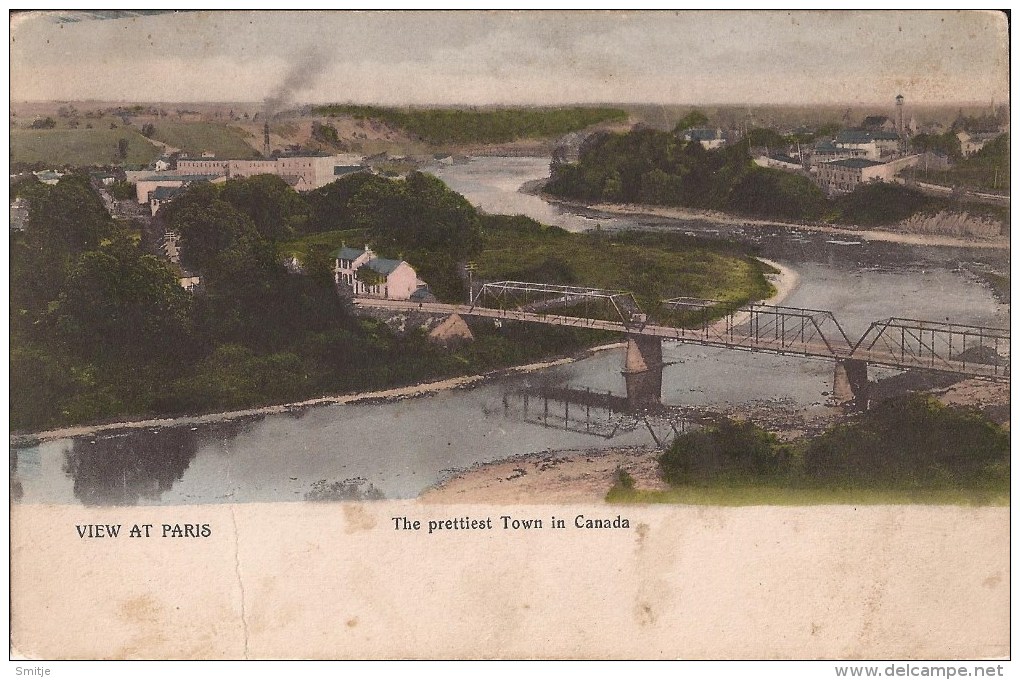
80 147
195 138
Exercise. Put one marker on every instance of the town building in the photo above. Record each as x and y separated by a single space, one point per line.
707 137
146 184
366 275
314 170
779 162
843 176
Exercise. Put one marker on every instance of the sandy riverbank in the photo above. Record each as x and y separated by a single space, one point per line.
586 476
1000 243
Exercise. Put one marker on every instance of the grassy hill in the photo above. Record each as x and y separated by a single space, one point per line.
196 137
61 147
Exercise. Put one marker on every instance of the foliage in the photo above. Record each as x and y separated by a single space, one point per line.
880 203
325 133
46 123
732 449
485 126
272 205
766 137
913 441
693 119
122 190
989 168
947 144
651 167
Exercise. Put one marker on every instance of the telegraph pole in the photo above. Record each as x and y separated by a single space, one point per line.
470 267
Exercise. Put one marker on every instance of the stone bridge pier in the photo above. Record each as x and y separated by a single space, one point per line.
850 381
642 371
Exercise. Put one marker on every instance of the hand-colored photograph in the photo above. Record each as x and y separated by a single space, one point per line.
509 335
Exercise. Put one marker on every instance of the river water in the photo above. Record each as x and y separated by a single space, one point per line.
398 449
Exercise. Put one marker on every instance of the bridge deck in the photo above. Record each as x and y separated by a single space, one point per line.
720 334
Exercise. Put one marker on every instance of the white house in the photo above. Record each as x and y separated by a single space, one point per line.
370 276
970 144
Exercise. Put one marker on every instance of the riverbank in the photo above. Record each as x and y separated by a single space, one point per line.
784 282
713 216
389 395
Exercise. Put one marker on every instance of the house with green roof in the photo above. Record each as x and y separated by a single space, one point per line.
362 273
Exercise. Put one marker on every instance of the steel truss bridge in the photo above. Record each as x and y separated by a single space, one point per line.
974 351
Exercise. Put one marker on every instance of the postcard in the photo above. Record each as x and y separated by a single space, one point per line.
510 335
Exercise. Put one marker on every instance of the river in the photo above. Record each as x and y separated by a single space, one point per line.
398 449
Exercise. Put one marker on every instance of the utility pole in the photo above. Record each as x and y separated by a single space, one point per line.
470 267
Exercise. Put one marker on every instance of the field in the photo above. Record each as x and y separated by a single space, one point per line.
59 147
654 267
195 138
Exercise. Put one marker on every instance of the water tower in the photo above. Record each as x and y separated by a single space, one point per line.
899 114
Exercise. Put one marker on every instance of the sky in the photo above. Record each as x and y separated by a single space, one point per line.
525 57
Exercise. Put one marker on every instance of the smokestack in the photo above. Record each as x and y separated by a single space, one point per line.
267 150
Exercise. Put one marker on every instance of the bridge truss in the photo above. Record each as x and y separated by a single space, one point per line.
580 301
761 327
935 345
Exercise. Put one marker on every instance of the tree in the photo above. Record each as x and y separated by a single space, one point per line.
693 119
46 123
207 225
148 130
69 216
122 148
269 201
117 302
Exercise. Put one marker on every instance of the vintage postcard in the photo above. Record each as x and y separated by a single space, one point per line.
511 335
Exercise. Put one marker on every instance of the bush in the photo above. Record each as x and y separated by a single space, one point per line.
913 441
732 449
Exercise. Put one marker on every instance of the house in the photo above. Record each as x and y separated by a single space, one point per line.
825 151
876 144
709 138
971 143
162 164
367 275
879 124
859 140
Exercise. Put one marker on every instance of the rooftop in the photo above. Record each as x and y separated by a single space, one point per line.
854 163
383 266
346 253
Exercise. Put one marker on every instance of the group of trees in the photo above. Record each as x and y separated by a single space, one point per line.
909 442
100 329
659 168
480 126
650 166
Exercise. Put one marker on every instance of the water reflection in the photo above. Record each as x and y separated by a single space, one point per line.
140 465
